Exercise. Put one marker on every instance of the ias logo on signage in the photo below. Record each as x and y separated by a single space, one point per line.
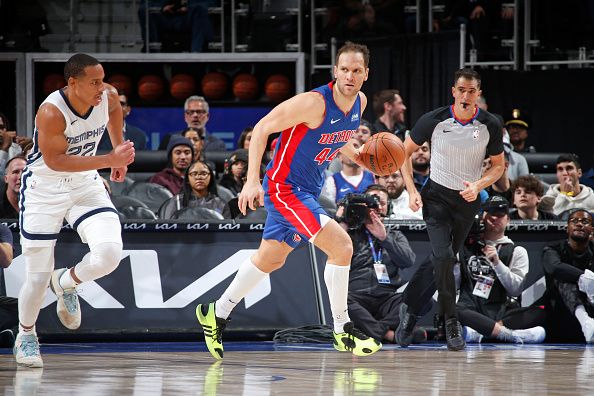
355 117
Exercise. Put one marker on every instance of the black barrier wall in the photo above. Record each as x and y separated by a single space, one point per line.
168 268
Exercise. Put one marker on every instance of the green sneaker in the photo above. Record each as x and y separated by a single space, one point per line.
213 328
355 341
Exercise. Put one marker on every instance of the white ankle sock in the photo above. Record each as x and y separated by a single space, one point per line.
247 277
337 283
66 280
24 331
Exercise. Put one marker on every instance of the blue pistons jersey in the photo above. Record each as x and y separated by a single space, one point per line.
303 154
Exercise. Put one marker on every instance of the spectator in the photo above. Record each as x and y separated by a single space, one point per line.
351 179
398 208
379 254
390 109
568 266
421 158
245 138
180 153
518 166
527 192
587 178
9 316
196 114
502 186
199 190
235 171
568 193
12 186
179 16
517 126
492 270
10 143
131 132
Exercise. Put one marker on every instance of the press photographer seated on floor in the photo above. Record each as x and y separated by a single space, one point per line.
379 254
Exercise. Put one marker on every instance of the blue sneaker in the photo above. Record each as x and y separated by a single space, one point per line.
68 306
26 351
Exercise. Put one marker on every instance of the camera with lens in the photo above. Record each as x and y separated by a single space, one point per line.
357 207
475 241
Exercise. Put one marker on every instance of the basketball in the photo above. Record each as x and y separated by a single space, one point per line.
245 86
383 154
121 83
182 86
150 87
53 82
214 85
277 87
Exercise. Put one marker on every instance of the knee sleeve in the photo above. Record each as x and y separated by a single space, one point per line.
40 263
103 259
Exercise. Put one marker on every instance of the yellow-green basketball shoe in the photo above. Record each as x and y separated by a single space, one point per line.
355 341
213 328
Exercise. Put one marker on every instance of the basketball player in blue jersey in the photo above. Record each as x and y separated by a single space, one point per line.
315 126
61 182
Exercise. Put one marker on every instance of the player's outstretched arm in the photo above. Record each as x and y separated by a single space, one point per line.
306 108
53 145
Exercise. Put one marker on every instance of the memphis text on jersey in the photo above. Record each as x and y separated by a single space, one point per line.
86 135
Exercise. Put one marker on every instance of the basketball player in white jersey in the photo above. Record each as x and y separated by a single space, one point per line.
61 182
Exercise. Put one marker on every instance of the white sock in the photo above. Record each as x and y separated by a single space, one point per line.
28 331
337 283
247 277
66 280
581 315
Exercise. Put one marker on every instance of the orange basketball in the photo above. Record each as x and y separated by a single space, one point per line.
121 83
214 85
383 154
245 86
277 87
182 86
150 87
53 82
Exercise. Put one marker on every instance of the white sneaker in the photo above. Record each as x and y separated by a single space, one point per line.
67 307
26 351
588 330
471 335
533 335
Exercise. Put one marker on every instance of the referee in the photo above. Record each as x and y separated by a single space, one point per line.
461 136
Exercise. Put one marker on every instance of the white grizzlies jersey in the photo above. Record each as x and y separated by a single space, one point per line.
83 133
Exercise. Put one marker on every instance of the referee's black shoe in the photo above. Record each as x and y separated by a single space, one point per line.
454 335
404 331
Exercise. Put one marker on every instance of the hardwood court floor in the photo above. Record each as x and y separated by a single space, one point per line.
301 369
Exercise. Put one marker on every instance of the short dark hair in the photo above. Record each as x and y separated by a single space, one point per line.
529 183
75 66
569 157
376 187
349 46
381 97
468 74
576 210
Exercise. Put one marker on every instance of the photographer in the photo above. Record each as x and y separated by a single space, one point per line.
492 270
378 256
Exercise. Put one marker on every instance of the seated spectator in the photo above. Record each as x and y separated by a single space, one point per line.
518 166
196 115
131 132
568 193
517 126
389 108
398 208
180 153
180 16
11 144
235 171
527 192
421 158
199 190
492 271
244 139
568 266
351 179
12 187
9 316
374 278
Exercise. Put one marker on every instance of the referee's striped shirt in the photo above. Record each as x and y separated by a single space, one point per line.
458 148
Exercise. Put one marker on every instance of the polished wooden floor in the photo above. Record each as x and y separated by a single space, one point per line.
263 369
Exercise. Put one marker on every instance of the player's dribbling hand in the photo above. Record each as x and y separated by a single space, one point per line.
122 155
470 192
414 201
252 196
